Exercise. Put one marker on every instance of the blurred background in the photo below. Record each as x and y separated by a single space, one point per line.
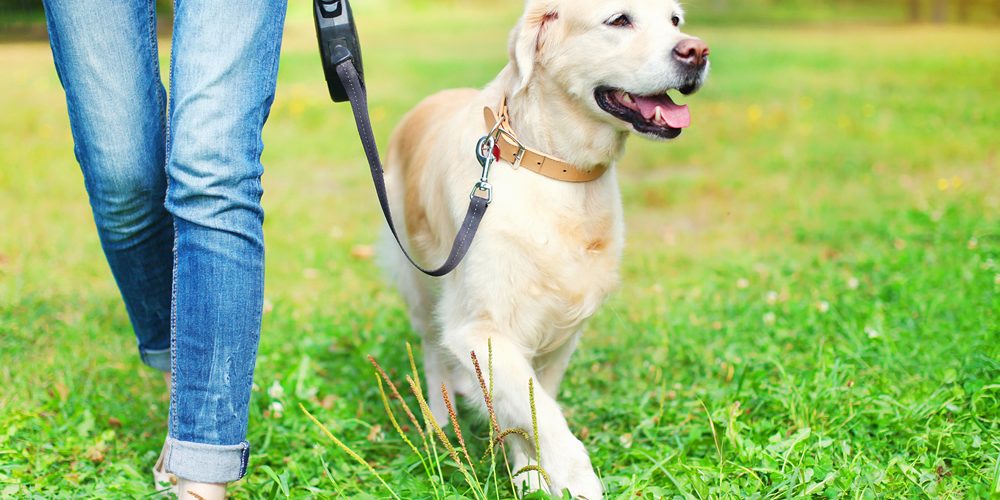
24 15
811 284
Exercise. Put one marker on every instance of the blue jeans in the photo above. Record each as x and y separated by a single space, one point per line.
176 195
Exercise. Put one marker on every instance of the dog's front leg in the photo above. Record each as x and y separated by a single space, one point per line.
437 373
551 367
563 455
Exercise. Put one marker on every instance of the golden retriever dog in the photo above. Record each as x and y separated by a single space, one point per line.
583 75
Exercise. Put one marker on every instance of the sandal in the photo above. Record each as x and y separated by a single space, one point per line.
164 482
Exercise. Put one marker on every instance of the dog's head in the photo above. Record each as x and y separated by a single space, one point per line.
617 58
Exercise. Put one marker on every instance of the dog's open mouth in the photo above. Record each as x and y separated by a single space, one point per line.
656 115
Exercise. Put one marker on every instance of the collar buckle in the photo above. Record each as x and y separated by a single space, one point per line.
518 157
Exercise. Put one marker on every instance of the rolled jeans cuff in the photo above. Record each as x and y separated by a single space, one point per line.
206 463
158 360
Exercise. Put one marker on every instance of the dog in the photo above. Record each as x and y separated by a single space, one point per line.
583 76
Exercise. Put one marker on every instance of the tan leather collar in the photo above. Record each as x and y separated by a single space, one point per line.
519 156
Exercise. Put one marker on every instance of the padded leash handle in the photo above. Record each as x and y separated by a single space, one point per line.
477 206
341 56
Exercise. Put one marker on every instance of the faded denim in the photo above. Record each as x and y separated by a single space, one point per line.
176 195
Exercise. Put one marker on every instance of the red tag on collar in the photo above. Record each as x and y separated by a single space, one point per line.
496 153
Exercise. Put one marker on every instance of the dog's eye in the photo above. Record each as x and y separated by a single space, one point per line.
620 21
676 20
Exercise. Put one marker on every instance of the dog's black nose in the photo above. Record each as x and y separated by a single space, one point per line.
692 52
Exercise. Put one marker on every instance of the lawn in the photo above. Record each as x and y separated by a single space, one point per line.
809 308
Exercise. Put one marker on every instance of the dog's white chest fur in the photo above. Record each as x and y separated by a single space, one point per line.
566 239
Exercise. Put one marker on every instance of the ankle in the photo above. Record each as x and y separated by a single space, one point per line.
191 490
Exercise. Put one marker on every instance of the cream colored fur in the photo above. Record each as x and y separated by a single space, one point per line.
548 252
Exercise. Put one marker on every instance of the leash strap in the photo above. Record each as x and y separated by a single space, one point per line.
477 206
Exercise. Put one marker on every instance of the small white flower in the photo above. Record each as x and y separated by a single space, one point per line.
823 307
770 319
277 409
743 283
626 440
772 298
853 283
276 391
872 333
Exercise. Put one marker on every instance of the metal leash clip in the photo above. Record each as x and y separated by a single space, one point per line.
486 153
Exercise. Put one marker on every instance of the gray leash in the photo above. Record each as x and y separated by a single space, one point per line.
478 203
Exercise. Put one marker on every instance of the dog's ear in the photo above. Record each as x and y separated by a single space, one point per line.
528 39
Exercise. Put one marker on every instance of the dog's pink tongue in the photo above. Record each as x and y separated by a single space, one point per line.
673 115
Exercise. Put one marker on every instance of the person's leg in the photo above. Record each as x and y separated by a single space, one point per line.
105 53
225 61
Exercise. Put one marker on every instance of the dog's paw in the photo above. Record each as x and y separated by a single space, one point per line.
574 473
585 485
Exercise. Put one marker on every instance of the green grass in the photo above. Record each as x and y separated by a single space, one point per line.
785 12
810 292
